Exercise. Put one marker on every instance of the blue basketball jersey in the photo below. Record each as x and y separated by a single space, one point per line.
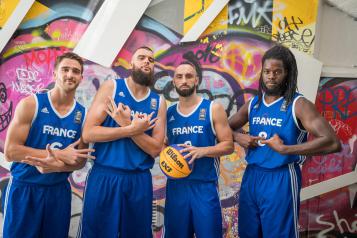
195 129
265 120
124 153
49 127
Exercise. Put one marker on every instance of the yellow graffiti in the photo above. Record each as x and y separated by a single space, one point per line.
194 10
236 60
121 62
44 44
231 175
36 10
7 7
293 26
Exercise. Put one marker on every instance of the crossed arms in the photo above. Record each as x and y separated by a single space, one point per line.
103 105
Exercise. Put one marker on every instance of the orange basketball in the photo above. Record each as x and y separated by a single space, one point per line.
173 164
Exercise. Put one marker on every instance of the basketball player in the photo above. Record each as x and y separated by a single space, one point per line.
192 203
128 131
38 196
278 118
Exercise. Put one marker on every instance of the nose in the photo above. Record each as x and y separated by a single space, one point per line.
271 76
69 73
184 80
146 60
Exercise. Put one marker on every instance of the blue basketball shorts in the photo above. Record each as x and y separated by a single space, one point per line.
269 202
192 207
117 204
32 210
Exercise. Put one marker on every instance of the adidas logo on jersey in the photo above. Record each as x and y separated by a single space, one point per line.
121 94
44 110
172 118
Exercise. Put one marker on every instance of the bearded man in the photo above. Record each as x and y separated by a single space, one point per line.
126 123
192 206
279 119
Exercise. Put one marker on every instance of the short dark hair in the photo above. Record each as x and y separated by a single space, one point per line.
69 55
282 53
143 47
195 65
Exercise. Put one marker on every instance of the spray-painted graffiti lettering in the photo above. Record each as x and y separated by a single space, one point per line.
27 82
208 55
340 99
289 31
43 56
326 166
344 227
250 12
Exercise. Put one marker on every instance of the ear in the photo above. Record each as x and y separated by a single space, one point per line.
197 81
54 74
173 83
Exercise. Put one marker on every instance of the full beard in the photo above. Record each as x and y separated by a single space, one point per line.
185 92
144 79
277 90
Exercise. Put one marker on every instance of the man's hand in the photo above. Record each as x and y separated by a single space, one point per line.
72 156
143 122
276 143
193 152
120 114
247 141
45 165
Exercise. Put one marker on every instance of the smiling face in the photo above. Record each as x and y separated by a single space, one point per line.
68 74
142 66
274 76
185 80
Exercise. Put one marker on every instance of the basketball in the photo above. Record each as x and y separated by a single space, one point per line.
172 163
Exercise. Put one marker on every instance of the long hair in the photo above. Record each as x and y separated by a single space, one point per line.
282 53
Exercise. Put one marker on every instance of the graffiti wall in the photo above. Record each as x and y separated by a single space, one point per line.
333 214
231 61
6 9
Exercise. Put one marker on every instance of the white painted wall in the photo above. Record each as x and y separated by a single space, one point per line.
336 42
169 13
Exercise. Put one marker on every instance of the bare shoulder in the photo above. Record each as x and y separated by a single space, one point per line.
218 111
26 107
107 86
105 90
303 105
163 104
29 101
244 109
302 101
24 114
305 110
217 107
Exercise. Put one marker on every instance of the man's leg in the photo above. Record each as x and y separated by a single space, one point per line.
249 224
178 215
57 212
206 210
22 210
101 205
280 203
136 218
